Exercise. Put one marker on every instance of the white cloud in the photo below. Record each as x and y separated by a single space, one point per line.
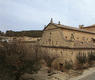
33 14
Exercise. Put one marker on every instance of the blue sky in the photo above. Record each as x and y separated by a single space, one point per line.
34 14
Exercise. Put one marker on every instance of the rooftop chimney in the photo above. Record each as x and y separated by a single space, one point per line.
81 26
59 23
51 21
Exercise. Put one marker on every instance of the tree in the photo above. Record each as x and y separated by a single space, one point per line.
10 33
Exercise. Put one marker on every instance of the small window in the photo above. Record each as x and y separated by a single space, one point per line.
66 37
61 66
81 42
93 40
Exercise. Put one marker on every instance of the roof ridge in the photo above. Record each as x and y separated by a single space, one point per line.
73 28
89 26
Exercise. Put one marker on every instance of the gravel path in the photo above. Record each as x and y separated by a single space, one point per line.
89 77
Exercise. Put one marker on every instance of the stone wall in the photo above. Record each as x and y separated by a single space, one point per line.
67 54
53 36
66 42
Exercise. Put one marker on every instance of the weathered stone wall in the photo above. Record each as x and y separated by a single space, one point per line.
67 43
78 36
53 36
67 54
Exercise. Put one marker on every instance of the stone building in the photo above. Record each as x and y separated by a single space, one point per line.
89 28
66 41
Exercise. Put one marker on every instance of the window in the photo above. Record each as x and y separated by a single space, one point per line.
61 66
66 37
93 39
81 42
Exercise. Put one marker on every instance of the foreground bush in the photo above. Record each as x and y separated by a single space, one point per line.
68 65
82 59
12 59
91 58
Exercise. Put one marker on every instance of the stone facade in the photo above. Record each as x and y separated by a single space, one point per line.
66 41
90 28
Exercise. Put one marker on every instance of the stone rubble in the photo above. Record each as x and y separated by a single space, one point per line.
43 74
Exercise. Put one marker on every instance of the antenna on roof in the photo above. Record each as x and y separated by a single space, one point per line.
59 22
51 21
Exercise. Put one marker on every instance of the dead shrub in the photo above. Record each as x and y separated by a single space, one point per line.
91 58
81 60
68 65
14 57
12 60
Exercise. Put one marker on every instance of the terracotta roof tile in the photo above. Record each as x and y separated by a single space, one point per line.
73 28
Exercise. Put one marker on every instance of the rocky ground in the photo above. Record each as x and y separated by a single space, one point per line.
43 74
86 73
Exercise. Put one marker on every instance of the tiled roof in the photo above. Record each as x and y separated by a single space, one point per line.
72 28
89 26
